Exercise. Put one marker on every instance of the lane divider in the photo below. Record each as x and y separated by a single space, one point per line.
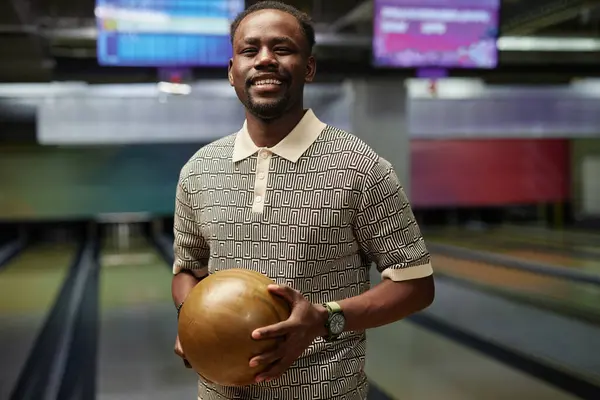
10 250
42 375
541 303
515 263
555 377
79 378
512 242
515 245
58 370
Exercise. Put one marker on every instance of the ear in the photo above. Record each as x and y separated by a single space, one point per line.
311 69
229 73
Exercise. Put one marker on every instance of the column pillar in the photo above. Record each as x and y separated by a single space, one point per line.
379 118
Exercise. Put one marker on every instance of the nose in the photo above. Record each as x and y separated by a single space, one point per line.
265 59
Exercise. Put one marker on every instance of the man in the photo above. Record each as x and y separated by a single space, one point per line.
306 204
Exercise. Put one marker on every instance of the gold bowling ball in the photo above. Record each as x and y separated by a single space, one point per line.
217 320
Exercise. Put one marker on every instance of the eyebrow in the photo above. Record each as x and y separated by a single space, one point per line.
274 40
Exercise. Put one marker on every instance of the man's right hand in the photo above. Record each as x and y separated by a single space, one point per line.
179 352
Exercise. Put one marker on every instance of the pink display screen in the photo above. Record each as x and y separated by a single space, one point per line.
436 33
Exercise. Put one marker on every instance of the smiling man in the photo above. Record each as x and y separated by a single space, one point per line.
306 204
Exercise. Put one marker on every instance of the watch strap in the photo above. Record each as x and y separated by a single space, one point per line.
332 309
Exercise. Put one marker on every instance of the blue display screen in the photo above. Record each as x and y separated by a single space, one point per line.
163 33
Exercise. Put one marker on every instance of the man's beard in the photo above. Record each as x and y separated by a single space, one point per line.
269 109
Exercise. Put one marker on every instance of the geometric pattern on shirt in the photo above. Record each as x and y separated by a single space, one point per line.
326 219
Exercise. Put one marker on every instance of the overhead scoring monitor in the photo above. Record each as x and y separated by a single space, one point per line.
436 33
163 33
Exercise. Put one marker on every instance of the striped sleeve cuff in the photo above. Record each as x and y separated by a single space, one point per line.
405 274
198 272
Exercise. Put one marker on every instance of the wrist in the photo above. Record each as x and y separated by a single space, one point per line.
321 320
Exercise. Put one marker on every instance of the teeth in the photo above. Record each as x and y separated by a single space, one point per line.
267 82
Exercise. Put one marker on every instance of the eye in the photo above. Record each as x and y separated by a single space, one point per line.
282 50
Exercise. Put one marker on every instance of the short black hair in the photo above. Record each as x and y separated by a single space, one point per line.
303 19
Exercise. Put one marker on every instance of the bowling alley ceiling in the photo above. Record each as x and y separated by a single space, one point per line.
42 38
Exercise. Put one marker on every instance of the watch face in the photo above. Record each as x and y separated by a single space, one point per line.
337 324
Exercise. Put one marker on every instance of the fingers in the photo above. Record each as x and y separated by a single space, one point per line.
291 295
267 358
186 363
179 351
273 331
284 327
274 371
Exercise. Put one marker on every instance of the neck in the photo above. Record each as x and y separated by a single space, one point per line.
267 133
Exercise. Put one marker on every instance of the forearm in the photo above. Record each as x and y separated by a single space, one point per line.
181 285
387 302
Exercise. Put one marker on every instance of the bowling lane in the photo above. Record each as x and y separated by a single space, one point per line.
29 285
553 255
563 240
572 237
571 298
571 243
138 328
411 363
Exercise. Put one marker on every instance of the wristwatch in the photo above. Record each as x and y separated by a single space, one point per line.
336 321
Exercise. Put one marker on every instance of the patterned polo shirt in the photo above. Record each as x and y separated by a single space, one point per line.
314 212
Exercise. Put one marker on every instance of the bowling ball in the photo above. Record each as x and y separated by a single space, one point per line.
217 320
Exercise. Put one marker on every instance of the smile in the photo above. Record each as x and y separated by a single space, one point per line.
264 82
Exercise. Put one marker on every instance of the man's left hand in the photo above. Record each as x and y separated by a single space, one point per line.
305 323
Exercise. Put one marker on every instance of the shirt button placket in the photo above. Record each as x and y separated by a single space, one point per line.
260 181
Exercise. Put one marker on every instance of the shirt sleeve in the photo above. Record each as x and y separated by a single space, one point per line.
190 250
386 228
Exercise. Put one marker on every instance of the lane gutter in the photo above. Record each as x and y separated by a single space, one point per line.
11 250
51 357
79 378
